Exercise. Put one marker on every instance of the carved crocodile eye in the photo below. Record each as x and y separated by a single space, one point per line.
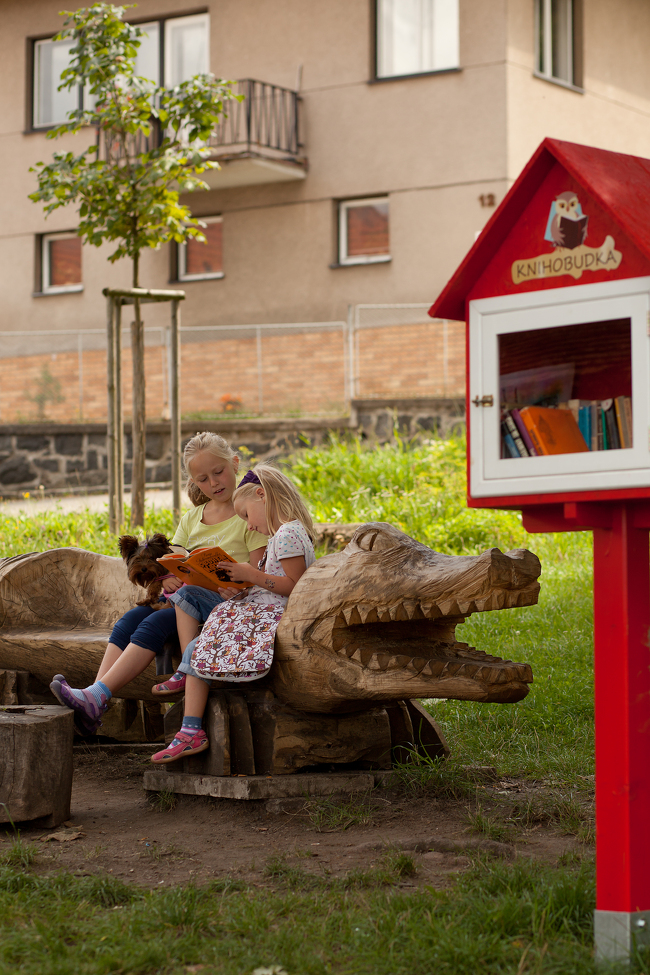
375 541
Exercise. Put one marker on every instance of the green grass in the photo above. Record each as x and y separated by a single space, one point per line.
499 918
496 915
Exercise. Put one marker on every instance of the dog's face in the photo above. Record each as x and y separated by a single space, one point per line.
140 558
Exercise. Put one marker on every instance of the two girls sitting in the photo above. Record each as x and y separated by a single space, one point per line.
237 641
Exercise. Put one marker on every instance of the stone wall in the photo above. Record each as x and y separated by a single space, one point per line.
64 458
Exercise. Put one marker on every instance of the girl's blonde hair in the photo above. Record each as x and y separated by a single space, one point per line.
283 503
214 444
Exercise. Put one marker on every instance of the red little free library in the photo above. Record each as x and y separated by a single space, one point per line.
555 294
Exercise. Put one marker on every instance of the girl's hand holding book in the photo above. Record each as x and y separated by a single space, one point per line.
240 571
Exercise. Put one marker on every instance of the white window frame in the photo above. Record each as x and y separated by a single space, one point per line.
381 75
346 205
182 259
544 66
36 86
46 288
494 476
170 22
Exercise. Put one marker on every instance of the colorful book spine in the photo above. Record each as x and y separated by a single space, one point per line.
523 432
513 430
584 418
628 419
509 444
620 420
593 424
613 442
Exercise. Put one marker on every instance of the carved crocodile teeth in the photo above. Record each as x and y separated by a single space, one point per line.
398 662
449 607
352 617
433 668
362 657
429 610
412 608
467 607
378 661
347 651
340 621
384 615
398 613
367 613
417 664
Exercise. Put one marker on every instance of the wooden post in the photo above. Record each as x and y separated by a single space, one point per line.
622 712
622 698
119 418
115 425
111 443
138 433
175 408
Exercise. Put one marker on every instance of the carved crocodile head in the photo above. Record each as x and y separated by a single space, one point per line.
376 622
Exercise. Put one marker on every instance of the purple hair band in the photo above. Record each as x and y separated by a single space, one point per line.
250 477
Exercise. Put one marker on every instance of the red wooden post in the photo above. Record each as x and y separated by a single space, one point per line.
622 701
622 706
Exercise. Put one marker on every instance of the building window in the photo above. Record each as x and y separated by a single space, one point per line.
196 260
60 263
415 36
51 106
363 231
183 55
555 39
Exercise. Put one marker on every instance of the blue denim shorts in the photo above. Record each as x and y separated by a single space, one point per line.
196 602
145 627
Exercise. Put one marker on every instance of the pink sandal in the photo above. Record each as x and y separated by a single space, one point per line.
175 685
183 745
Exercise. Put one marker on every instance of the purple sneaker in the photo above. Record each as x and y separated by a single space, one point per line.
87 712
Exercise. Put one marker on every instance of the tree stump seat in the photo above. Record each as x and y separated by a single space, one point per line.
36 767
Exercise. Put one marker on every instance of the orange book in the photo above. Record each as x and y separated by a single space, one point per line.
553 431
199 568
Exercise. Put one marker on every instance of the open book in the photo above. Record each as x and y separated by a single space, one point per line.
199 568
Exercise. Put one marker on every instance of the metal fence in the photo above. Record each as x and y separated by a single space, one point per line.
272 368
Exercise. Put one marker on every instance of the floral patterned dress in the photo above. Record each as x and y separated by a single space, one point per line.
236 643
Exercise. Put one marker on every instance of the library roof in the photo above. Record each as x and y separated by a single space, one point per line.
618 183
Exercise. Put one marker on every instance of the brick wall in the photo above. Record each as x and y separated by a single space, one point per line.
302 372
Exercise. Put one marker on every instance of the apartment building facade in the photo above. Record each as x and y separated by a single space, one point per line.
375 139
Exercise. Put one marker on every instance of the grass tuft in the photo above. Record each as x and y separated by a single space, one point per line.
328 815
163 801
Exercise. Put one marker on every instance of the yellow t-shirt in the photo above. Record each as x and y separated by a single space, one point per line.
232 535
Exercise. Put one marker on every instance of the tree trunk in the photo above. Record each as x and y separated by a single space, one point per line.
138 413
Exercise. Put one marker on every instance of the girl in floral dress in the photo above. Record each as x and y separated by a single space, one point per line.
236 644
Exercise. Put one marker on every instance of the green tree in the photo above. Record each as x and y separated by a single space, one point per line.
151 145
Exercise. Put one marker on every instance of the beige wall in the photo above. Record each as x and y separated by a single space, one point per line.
434 144
613 109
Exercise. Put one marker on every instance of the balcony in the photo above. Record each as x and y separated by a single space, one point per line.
256 142
259 141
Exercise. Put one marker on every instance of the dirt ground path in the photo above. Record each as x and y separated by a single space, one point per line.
122 832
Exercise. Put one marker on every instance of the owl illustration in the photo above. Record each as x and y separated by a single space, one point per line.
566 225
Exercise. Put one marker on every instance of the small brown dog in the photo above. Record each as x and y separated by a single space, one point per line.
143 570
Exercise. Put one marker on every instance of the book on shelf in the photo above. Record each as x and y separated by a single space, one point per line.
611 427
513 430
553 431
523 432
201 568
510 447
575 426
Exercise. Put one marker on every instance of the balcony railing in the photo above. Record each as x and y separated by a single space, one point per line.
265 121
267 118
